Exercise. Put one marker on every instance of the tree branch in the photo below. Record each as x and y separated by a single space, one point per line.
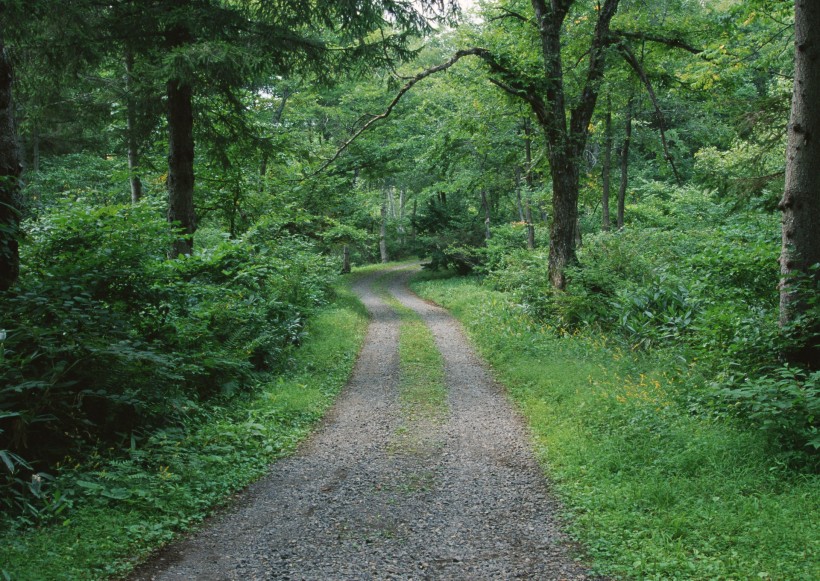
528 95
630 58
581 114
409 85
507 13
673 42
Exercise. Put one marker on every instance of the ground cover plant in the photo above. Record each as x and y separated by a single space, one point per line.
422 389
652 490
104 515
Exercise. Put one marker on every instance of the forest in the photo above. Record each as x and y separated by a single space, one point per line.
618 199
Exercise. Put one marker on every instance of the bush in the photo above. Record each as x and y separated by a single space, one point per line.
107 339
656 313
784 403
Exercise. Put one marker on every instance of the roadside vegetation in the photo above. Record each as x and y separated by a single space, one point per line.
682 446
101 515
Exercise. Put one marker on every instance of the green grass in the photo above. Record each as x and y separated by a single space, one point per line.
125 509
421 385
651 490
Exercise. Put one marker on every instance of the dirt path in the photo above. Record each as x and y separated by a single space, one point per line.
355 504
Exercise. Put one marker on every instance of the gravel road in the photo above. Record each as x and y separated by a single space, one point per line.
353 503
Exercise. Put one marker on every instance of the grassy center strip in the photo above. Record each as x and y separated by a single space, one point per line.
422 390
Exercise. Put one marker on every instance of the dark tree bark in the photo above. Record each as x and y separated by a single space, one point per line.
180 115
624 164
345 259
383 231
181 165
566 144
10 168
131 129
801 199
607 166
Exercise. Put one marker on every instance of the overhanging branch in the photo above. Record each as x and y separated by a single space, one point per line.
673 42
633 62
409 85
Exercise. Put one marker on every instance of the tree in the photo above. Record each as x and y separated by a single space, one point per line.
10 168
607 165
801 199
266 39
552 108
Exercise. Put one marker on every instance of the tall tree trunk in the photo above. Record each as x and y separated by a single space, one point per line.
485 203
530 226
131 129
624 164
565 144
607 169
801 199
181 165
10 168
383 231
345 259
564 219
528 180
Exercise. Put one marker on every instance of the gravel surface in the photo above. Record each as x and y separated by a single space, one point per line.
354 503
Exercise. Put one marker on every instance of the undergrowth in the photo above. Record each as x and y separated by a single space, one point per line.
116 512
652 490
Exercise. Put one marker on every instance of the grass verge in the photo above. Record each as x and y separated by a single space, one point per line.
652 491
119 512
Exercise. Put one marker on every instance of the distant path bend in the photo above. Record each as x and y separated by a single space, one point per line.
351 504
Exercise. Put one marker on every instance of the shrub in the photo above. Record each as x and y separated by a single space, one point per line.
784 403
107 339
656 313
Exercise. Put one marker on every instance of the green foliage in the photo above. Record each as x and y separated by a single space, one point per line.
652 490
698 281
95 179
784 403
169 481
660 311
107 339
450 234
